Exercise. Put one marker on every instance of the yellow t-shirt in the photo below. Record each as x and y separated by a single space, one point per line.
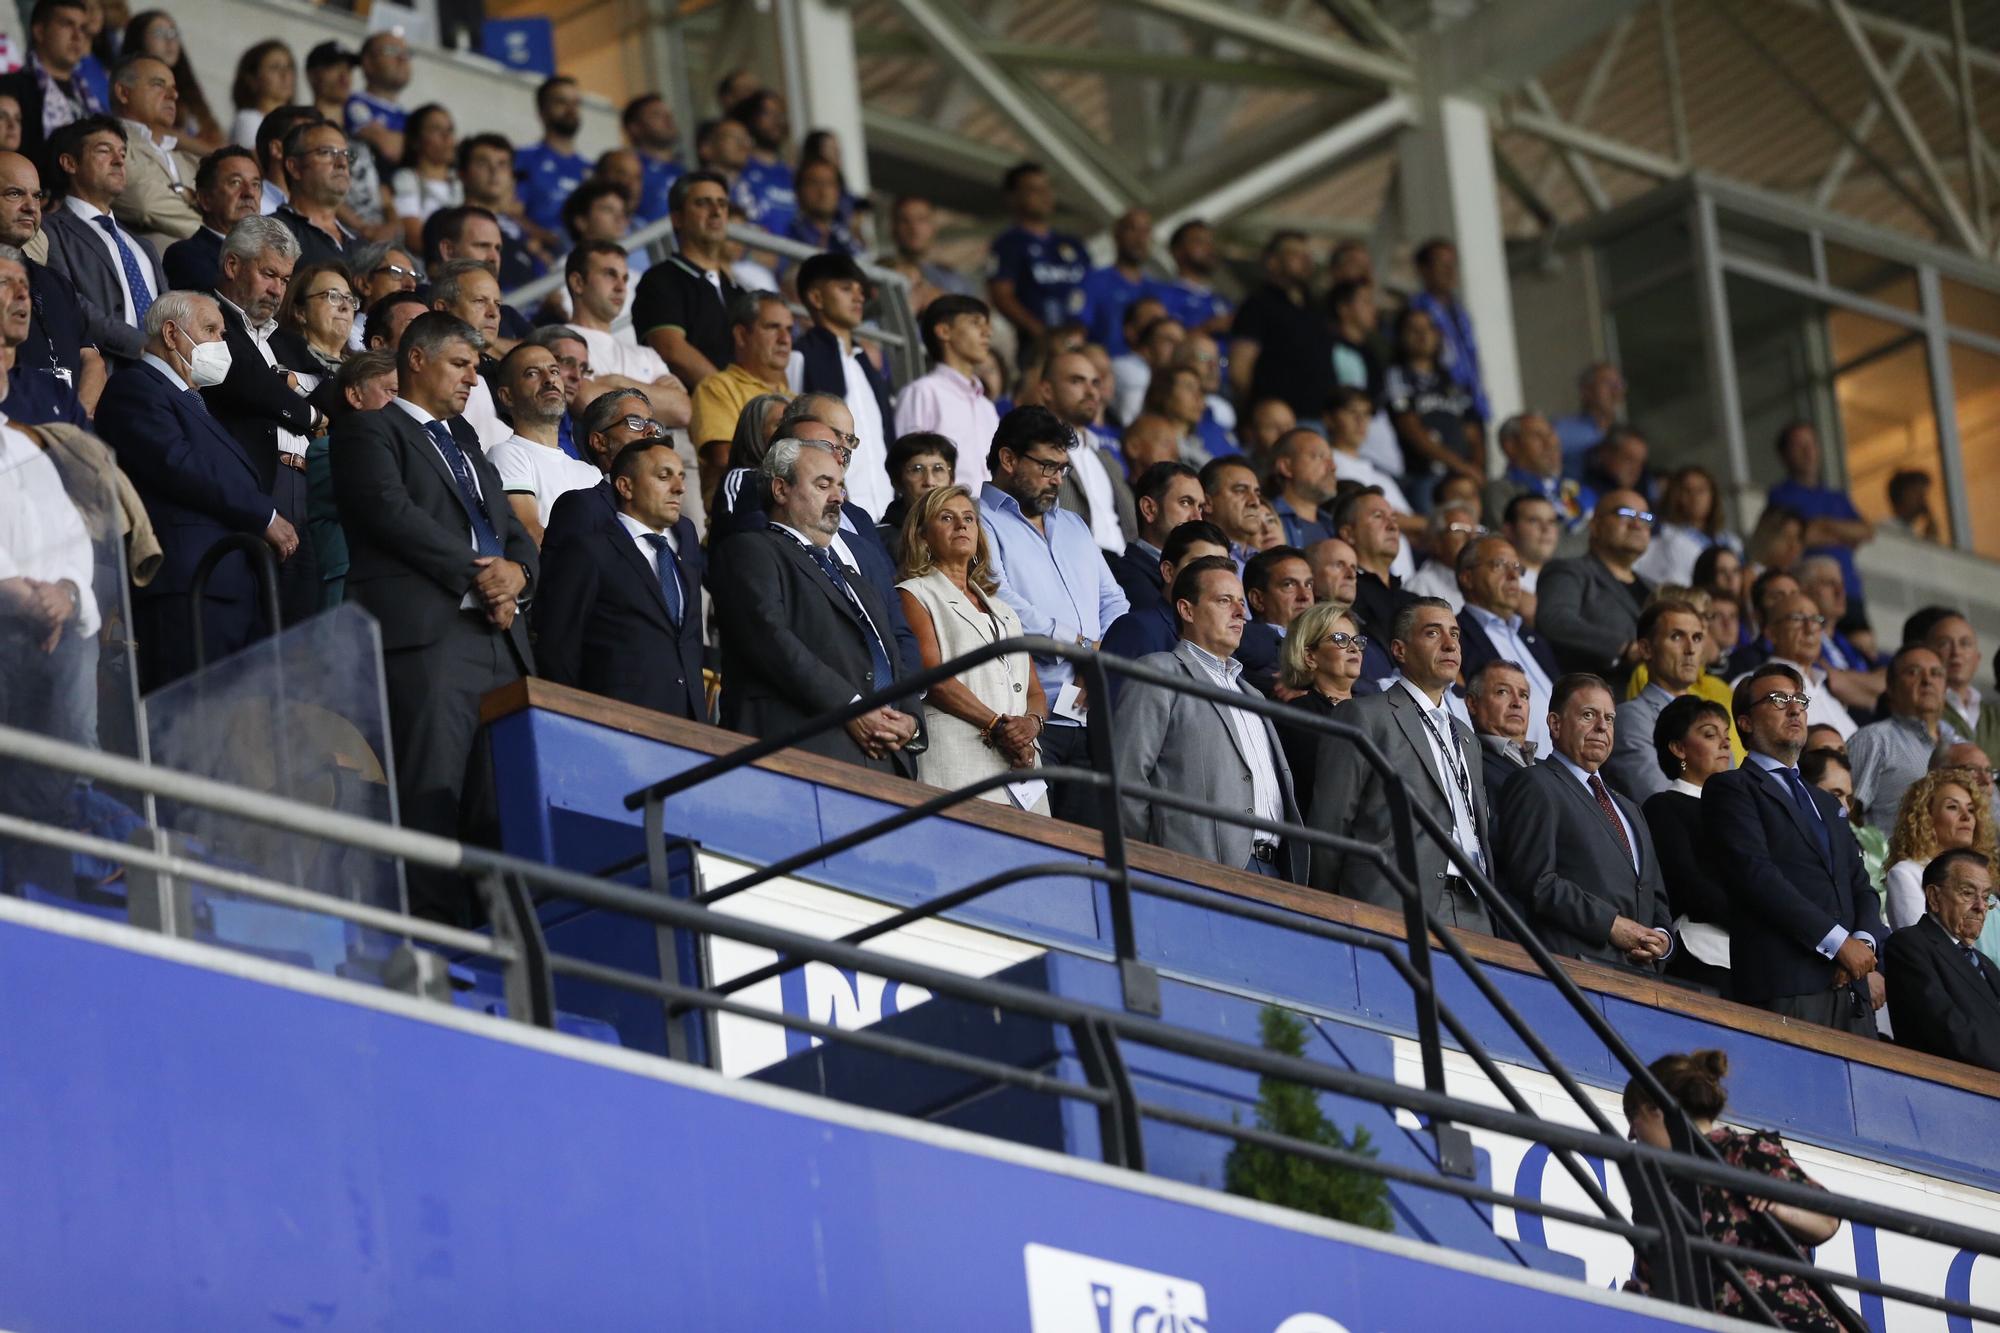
1713 688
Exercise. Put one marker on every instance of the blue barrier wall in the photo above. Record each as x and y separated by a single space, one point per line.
193 1140
562 800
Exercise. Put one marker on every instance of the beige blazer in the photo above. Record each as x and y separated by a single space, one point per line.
956 755
150 204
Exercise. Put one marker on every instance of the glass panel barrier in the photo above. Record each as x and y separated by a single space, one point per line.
66 666
1975 389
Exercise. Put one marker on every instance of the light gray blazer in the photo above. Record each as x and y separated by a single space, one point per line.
1184 745
1350 799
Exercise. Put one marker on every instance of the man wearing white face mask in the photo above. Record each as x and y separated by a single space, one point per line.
198 484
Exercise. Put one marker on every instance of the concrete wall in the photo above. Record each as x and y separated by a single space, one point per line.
1558 326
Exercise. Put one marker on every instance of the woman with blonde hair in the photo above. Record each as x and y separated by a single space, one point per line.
989 718
1320 660
1942 811
1727 1217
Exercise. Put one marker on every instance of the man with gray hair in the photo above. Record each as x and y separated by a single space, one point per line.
197 482
800 637
258 401
467 288
437 557
157 201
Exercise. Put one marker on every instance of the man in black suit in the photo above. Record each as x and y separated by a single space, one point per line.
228 187
1575 856
197 483
116 272
619 612
1278 585
1497 700
1167 495
258 401
436 557
800 637
1803 940
1589 605
1945 993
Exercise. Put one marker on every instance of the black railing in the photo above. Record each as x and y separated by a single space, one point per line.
1454 1153
263 565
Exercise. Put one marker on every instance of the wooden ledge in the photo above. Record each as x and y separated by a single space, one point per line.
1057 835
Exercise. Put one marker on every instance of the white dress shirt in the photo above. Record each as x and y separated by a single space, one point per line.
1088 465
41 534
289 442
471 601
639 533
1505 635
1267 797
161 148
90 213
1453 769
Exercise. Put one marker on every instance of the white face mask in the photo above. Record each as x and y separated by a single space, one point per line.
208 365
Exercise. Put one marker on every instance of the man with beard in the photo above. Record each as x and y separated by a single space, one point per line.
1096 488
764 185
532 466
656 140
547 172
1302 479
1109 291
1190 297
1050 572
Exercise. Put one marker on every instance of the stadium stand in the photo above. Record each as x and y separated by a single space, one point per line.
492 358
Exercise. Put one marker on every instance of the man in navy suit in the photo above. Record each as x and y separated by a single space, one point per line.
228 187
1153 628
1944 992
1491 627
1278 584
116 272
1167 495
619 612
198 485
1807 921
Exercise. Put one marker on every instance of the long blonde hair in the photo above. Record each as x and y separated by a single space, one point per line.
919 559
1915 838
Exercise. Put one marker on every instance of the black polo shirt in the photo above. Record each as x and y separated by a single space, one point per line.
314 244
676 294
1294 350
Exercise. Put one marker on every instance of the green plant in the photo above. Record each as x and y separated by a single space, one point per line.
1346 1194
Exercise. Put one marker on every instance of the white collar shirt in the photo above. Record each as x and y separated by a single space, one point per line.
90 213
1452 767
289 442
1267 797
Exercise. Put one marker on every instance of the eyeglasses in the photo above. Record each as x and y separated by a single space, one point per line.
1051 469
1968 897
337 300
1778 699
330 153
1514 567
394 271
1801 618
644 427
1472 529
1340 638
1626 511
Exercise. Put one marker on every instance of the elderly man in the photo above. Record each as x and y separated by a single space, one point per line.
533 468
1807 920
1452 527
439 561
1534 467
1497 699
257 402
1489 578
57 339
1589 605
801 637
158 173
1410 725
1335 571
317 173
198 484
1887 756
1050 572
1577 857
1673 642
116 273
1228 759
761 329
1944 992
1166 495
1794 627
227 188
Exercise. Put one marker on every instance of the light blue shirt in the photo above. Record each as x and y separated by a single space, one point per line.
1836 937
1505 632
1054 577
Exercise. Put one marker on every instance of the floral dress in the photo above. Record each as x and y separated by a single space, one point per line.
1727 1220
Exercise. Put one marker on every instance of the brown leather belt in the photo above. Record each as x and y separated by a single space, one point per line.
296 462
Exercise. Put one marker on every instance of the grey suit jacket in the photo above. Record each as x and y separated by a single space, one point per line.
77 251
1185 745
1586 614
1562 863
1350 799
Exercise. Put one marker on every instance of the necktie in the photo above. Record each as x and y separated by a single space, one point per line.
669 572
878 658
1610 813
135 276
200 403
468 494
1803 800
1972 957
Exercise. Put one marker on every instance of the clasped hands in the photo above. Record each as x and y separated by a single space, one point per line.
880 732
1640 944
1014 736
45 605
498 584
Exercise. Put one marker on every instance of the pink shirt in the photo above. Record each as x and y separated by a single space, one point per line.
956 407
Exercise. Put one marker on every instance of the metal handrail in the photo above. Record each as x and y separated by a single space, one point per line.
1114 1101
262 563
1403 810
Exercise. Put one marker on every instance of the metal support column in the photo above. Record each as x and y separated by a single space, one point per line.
1944 403
816 45
1723 395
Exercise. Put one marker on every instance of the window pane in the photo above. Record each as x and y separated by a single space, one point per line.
1970 307
1975 389
1767 242
1872 276
1890 427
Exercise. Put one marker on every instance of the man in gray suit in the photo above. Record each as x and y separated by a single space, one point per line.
1587 606
1437 755
1575 856
1226 758
116 273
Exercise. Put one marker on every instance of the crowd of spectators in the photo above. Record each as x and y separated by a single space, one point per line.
697 486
